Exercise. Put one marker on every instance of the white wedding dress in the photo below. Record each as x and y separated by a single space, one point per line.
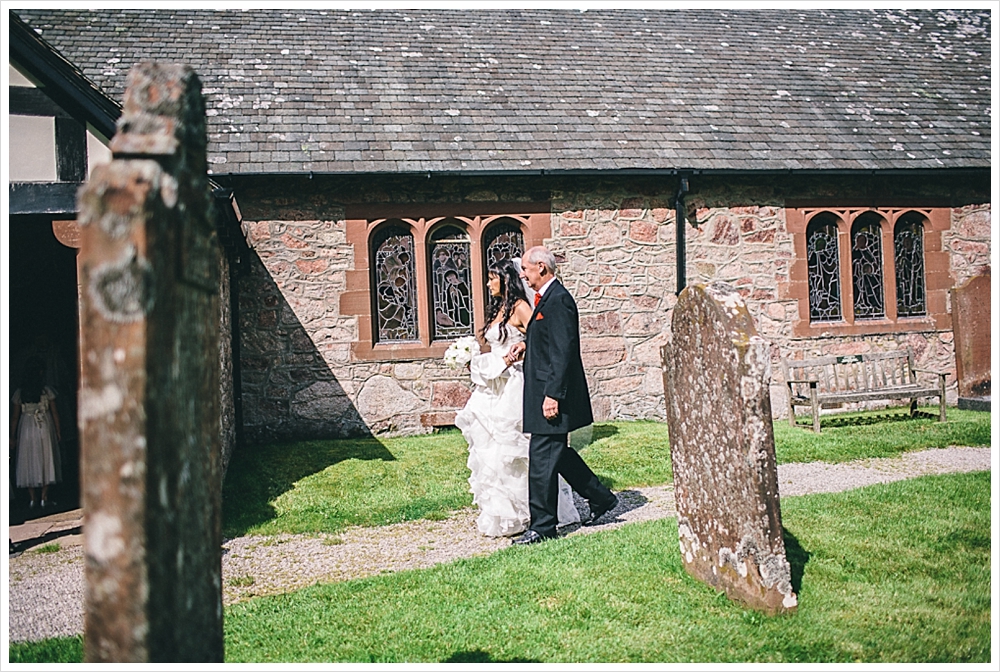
498 449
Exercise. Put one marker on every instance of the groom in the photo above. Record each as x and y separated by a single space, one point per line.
556 401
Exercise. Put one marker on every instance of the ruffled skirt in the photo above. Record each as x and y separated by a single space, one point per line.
498 458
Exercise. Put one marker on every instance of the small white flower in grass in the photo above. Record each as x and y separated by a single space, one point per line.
461 352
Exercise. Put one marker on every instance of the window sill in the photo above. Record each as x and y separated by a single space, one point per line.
866 327
398 352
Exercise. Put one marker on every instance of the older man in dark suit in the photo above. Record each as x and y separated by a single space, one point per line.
556 401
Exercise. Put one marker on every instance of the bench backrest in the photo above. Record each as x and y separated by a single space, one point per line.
853 373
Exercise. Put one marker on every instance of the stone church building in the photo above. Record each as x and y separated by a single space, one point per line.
832 165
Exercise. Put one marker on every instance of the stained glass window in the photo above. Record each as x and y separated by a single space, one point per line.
451 295
394 270
824 270
866 268
908 244
503 240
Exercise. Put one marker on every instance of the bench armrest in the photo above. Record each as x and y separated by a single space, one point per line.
936 373
811 382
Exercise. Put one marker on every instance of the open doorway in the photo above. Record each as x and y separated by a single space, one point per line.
44 322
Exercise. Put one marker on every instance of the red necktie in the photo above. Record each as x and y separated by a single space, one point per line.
538 297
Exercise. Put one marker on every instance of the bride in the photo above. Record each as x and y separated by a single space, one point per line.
491 420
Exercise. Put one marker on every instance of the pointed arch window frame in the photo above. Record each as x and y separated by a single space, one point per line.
362 223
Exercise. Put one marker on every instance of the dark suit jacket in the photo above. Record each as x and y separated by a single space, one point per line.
553 367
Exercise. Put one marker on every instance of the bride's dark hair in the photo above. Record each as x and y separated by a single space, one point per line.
511 290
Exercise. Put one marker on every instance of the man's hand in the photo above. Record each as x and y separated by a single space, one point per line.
514 354
550 408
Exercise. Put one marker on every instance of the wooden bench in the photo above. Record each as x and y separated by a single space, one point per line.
855 378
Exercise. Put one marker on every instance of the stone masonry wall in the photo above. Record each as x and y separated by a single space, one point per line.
617 239
227 408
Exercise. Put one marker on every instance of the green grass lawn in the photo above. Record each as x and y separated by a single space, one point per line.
891 573
326 486
888 573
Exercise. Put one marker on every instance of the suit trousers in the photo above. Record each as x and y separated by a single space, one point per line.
549 456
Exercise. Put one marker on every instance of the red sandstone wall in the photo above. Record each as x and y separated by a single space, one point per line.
617 239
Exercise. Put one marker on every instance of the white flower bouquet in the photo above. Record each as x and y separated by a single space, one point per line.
461 352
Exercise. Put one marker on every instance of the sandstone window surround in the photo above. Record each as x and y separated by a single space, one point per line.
869 270
419 276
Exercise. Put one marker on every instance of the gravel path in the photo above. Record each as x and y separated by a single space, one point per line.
46 589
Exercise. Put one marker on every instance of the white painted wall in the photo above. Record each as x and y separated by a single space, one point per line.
32 149
97 151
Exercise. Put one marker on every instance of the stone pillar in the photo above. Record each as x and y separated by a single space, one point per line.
717 373
149 388
970 319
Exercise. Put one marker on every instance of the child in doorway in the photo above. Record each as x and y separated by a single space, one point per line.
35 434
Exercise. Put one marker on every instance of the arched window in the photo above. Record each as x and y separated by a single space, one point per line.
824 269
866 267
420 272
503 240
451 289
908 246
394 280
877 247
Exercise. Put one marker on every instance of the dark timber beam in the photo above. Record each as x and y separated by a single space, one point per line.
37 198
31 102
71 150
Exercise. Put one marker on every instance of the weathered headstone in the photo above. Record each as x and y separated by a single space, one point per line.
970 319
149 388
716 373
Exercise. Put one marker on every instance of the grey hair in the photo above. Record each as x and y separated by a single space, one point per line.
542 255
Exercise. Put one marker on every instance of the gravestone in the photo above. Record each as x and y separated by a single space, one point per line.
970 319
149 387
717 372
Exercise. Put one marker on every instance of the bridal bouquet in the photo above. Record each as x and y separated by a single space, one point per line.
461 352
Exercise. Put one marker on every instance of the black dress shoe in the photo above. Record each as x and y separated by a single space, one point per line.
599 510
529 537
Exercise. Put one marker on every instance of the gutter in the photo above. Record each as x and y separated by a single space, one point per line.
606 172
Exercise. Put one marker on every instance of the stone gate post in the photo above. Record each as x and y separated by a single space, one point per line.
149 387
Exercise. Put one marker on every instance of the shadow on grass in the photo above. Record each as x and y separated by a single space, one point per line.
628 500
480 656
797 558
260 474
603 431
827 421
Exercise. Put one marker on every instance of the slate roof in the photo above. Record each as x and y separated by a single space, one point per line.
340 91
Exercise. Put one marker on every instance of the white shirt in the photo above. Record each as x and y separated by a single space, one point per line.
541 290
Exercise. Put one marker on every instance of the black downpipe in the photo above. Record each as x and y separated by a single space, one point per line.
680 210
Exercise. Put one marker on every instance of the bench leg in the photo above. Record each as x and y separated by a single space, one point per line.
815 408
913 407
941 396
791 407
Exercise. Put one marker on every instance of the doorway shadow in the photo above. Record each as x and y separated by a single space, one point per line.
44 323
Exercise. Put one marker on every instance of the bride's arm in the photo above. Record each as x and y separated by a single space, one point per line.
487 366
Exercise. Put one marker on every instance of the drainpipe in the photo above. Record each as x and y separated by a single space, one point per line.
680 210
